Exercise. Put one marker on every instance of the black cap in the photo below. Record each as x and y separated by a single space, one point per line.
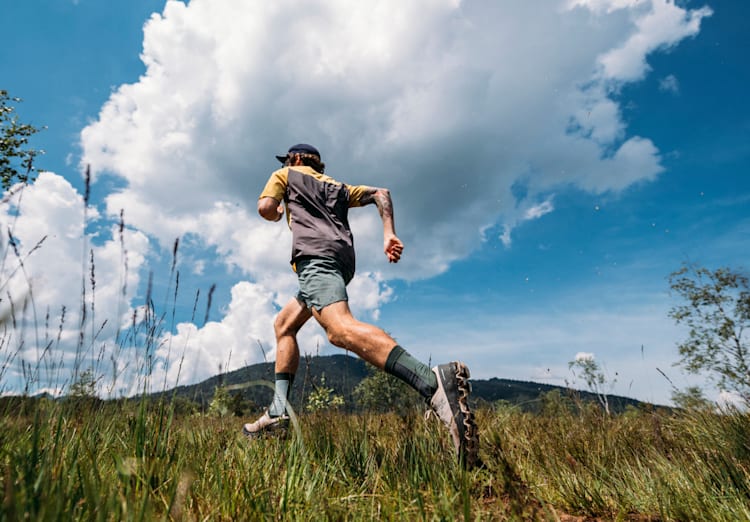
300 148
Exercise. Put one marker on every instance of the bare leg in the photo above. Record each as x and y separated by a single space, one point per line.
367 341
289 321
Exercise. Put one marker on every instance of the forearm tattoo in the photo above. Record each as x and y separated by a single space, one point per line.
382 199
384 203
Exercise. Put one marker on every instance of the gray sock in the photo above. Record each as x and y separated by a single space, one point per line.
413 372
281 394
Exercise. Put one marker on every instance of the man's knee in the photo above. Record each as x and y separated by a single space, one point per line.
338 322
282 326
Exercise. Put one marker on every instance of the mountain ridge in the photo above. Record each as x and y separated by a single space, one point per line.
343 373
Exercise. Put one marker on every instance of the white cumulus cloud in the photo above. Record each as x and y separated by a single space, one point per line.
669 84
65 293
446 103
449 104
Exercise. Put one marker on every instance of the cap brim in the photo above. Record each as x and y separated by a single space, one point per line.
282 159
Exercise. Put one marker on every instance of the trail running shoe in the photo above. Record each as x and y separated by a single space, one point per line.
266 425
451 404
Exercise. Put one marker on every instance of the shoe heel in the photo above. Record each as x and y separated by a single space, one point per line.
462 371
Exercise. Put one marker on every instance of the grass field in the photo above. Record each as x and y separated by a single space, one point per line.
86 460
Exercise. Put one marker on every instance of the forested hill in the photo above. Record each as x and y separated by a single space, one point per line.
343 373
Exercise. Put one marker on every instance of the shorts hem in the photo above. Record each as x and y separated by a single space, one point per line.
320 308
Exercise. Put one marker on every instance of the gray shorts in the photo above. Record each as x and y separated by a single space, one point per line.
321 282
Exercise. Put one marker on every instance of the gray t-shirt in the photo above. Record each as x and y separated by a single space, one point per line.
317 208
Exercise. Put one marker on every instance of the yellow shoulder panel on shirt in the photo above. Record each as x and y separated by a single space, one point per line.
356 192
276 186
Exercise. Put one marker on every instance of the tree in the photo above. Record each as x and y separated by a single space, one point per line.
183 406
594 377
239 404
716 310
381 391
85 386
554 404
16 159
691 398
221 403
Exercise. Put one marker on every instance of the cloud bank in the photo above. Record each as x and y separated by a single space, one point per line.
474 114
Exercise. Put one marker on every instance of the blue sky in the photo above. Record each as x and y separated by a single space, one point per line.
550 167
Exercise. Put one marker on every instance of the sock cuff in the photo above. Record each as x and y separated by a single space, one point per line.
390 362
284 376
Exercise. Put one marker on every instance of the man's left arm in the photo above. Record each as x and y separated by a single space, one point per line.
269 202
381 197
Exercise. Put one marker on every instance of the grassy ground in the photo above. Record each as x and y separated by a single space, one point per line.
126 462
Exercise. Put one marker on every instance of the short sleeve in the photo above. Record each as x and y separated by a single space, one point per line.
276 186
356 193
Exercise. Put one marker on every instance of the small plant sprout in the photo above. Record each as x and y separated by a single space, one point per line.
322 398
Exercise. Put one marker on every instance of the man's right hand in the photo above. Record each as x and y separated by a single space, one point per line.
393 248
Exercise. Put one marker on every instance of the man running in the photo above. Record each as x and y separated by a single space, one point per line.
323 257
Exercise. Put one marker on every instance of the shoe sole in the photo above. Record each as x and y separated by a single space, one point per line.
469 448
276 430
